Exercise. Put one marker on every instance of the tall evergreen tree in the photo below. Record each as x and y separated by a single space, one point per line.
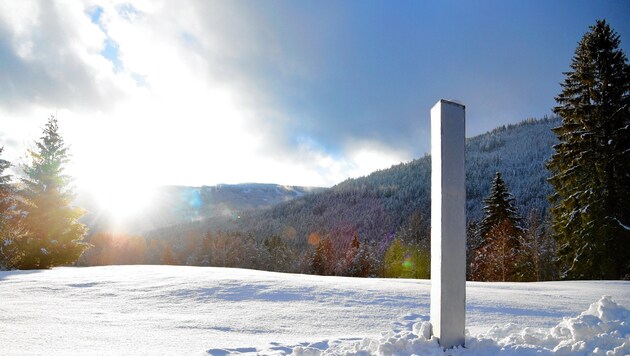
53 235
499 206
591 165
496 257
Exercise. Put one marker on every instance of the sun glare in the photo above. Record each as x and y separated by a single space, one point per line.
122 201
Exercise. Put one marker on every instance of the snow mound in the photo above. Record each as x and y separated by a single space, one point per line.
603 329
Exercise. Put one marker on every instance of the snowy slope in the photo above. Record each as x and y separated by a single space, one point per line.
202 310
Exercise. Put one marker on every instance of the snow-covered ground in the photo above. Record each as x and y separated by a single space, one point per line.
173 310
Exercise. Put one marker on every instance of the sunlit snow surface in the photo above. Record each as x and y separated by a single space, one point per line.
172 310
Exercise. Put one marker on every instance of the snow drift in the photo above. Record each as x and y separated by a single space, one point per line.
603 329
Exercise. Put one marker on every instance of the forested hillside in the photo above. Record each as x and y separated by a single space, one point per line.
380 204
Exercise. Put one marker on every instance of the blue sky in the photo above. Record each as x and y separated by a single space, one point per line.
299 93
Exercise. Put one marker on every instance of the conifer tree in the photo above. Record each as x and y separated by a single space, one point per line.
323 260
53 235
496 257
499 206
591 165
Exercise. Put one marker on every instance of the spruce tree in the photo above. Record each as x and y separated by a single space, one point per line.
496 257
499 206
53 235
591 164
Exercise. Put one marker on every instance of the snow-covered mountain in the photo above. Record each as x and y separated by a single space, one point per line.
178 310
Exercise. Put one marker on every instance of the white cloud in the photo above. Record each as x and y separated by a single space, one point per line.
371 156
193 119
51 57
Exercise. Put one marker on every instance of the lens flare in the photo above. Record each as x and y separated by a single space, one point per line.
313 239
407 263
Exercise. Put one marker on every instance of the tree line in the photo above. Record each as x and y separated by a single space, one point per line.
501 247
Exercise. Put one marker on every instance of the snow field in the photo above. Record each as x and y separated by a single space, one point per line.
162 310
603 329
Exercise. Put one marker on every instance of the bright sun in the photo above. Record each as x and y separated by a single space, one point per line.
120 202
